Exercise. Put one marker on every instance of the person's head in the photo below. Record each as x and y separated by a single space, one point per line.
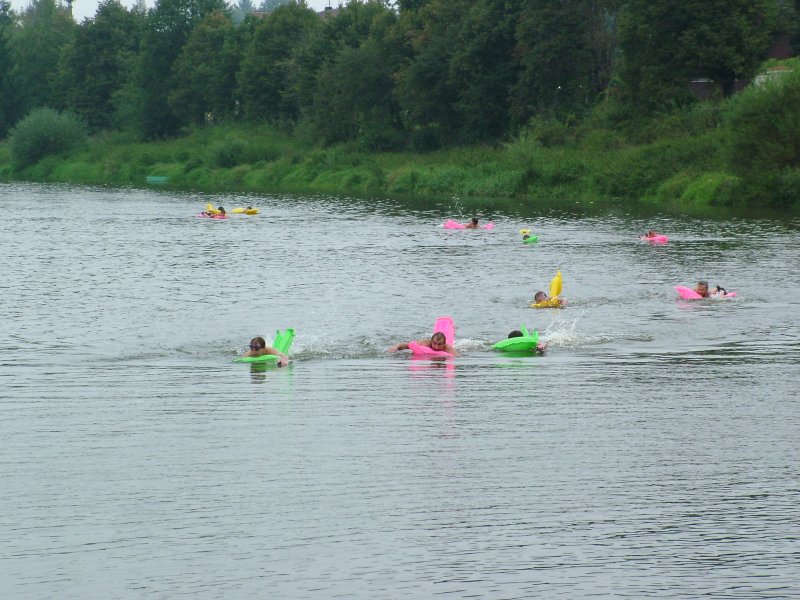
651 233
515 333
258 343
526 237
438 341
221 210
702 287
249 208
539 296
474 220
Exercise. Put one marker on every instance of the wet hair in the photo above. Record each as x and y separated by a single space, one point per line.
439 336
249 208
221 209
539 296
526 237
260 341
474 220
515 333
699 283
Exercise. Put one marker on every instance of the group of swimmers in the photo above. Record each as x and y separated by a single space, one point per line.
438 341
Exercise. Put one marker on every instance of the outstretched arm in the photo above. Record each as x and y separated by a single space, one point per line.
400 346
283 360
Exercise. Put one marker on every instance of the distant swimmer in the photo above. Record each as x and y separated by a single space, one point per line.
473 224
437 342
703 291
542 300
258 347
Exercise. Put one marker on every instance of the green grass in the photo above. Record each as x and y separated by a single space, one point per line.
677 161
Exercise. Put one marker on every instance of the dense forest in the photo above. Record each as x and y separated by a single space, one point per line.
411 76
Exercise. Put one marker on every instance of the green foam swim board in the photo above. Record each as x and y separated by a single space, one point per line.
531 240
526 343
283 340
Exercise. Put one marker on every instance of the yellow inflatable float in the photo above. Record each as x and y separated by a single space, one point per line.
555 289
247 211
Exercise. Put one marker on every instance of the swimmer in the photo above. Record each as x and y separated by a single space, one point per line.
258 347
437 342
473 224
651 234
702 289
540 346
221 210
539 297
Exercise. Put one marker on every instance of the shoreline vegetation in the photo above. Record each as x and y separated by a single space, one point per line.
681 161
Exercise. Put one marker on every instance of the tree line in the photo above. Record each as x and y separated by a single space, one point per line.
415 74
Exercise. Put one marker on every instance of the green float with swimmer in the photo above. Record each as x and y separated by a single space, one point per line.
526 343
283 340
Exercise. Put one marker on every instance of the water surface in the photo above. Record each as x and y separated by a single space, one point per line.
653 451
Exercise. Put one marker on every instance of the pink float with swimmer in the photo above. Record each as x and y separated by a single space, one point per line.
655 239
450 224
443 325
689 294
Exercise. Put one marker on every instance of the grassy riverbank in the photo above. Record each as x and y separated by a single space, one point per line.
678 161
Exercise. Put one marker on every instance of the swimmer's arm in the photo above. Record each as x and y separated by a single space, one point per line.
400 346
450 350
283 360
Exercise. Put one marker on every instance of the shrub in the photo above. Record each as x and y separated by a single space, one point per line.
44 132
764 128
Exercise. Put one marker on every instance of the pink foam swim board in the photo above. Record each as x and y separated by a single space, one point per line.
202 216
690 294
418 350
687 293
656 239
450 224
445 325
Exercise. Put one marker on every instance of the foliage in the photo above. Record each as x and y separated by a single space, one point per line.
97 62
42 133
764 127
666 44
169 25
205 72
8 101
265 65
35 44
354 97
566 51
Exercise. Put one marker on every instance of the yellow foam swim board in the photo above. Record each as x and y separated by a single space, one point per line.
238 210
555 285
210 208
251 211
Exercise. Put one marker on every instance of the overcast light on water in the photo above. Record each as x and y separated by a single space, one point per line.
653 450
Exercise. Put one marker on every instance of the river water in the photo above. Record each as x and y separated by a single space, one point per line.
654 450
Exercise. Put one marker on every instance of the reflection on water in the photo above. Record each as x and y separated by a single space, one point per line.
653 450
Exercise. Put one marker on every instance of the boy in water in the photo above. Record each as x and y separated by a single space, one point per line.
437 342
258 347
473 224
542 297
